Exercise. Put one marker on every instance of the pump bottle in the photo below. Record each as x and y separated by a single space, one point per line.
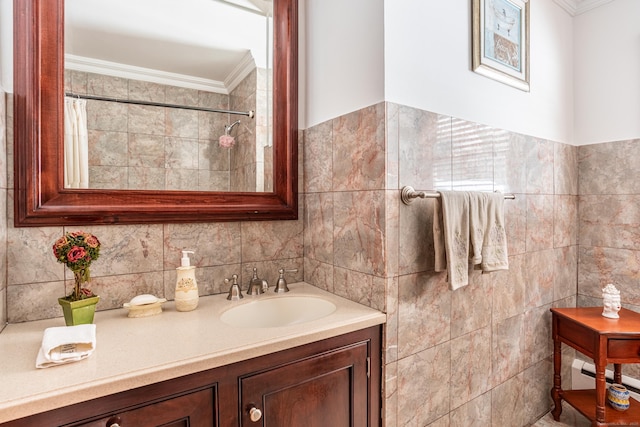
186 286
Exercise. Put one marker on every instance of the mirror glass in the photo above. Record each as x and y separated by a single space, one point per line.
168 95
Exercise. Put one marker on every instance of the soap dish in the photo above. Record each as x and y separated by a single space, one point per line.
144 305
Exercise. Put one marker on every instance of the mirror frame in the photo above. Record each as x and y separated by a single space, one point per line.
40 196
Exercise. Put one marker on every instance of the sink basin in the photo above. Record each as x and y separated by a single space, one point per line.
278 311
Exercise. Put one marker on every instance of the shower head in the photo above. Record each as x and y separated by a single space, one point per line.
228 128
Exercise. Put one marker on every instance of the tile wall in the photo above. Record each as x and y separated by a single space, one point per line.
478 356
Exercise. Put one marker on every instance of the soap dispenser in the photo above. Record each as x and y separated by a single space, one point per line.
186 286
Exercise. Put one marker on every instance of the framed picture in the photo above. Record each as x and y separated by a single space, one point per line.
500 31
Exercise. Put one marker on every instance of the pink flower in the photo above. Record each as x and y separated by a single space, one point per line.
92 241
76 253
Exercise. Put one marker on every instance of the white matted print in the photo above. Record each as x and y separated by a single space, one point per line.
500 31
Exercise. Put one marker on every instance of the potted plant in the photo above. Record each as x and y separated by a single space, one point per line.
77 250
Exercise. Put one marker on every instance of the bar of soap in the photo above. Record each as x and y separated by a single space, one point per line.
144 305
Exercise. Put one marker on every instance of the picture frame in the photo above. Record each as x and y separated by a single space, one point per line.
500 36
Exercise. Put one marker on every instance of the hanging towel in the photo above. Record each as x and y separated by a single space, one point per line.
488 237
66 344
455 229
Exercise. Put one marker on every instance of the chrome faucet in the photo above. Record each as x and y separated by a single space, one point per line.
235 293
257 286
281 284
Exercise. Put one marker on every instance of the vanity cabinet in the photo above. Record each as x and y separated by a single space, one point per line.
334 382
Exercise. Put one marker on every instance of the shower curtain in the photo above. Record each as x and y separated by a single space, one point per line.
76 144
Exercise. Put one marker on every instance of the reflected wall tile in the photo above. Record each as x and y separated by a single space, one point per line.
539 222
145 119
318 227
358 219
566 169
509 289
213 244
424 382
510 164
269 240
507 403
392 149
610 220
424 312
211 125
472 156
213 180
539 155
606 168
415 235
211 156
469 366
141 178
538 343
539 277
115 290
565 221
183 123
318 274
75 81
565 272
425 149
146 150
181 153
181 179
471 306
34 301
538 380
126 249
359 156
515 215
599 266
318 160
147 91
508 347
109 177
108 148
103 85
29 255
213 100
359 287
107 116
475 413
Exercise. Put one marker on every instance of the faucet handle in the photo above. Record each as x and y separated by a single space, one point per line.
235 293
281 284
256 285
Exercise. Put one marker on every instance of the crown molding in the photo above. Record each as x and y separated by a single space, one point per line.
577 7
114 69
242 70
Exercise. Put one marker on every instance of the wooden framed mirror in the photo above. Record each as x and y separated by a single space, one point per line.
40 196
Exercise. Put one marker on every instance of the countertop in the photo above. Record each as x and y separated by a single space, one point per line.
134 352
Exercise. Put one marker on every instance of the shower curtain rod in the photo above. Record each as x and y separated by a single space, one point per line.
409 194
250 114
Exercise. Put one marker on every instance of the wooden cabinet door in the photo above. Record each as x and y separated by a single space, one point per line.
190 410
329 389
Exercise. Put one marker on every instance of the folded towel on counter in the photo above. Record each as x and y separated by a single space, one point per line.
65 344
455 233
468 230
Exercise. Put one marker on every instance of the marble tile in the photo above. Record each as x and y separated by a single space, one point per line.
358 150
211 156
29 255
424 312
147 91
211 125
471 306
3 139
213 100
510 165
610 220
115 290
146 150
269 240
107 116
390 343
213 243
359 287
425 149
415 235
108 148
181 179
507 402
509 290
539 155
318 160
213 180
392 148
538 343
182 123
34 301
111 177
102 85
318 226
565 221
565 273
515 216
538 380
182 96
145 119
565 169
508 347
318 274
475 413
181 153
392 209
390 395
441 422
606 168
471 377
570 417
599 266
424 381
75 81
539 278
210 279
143 178
268 270
472 156
358 220
539 222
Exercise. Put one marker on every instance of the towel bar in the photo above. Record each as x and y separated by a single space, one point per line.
409 194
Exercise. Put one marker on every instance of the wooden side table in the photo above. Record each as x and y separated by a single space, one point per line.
605 341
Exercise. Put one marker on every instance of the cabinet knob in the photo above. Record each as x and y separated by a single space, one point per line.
114 422
255 414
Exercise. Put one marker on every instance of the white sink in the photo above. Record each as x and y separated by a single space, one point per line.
277 311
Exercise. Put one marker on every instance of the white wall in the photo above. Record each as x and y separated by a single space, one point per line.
607 73
6 45
344 57
428 66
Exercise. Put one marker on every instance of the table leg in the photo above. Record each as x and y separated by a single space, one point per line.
601 389
617 373
557 380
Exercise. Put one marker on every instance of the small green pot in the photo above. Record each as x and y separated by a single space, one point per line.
79 312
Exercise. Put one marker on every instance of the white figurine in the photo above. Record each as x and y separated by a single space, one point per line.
611 300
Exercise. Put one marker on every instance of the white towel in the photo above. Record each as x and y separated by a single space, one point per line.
66 344
455 220
488 239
